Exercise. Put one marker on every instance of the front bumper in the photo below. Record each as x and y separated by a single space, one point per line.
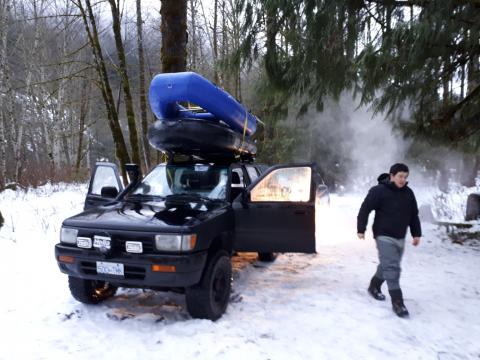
137 267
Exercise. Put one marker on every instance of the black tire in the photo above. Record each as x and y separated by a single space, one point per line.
90 291
267 256
473 207
209 298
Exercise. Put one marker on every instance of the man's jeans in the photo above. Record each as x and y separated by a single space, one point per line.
390 252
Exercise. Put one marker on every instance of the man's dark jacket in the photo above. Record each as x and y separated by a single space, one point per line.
395 210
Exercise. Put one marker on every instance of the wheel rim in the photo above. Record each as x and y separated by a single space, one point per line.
101 289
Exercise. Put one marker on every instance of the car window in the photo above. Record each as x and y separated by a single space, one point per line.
262 168
252 172
204 180
238 180
285 184
104 176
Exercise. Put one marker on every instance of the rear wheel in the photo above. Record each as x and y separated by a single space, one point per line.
267 256
473 207
209 298
90 291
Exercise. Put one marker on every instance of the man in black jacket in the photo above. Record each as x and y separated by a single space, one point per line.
395 210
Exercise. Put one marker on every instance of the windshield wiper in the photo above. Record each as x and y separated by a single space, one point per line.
144 196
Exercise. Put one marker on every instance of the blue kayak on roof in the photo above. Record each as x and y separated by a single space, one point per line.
168 89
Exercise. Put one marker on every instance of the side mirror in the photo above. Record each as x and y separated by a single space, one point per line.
109 192
133 172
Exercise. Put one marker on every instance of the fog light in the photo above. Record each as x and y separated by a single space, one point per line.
134 247
84 242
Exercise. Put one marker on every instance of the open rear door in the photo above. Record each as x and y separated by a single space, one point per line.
277 211
105 176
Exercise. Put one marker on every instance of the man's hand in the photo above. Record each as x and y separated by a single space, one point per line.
416 241
361 236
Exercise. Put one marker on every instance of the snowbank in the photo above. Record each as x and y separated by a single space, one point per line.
299 307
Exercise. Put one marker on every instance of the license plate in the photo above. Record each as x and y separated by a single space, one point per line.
101 242
110 268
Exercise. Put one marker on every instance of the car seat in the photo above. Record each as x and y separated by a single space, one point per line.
237 186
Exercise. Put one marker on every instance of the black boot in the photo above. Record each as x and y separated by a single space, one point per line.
397 303
374 288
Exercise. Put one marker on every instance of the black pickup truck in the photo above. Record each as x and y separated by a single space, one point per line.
177 228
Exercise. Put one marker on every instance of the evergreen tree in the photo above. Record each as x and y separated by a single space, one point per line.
416 55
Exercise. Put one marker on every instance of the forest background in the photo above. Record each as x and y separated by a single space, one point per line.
74 78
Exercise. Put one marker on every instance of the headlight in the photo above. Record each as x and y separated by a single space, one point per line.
68 236
171 242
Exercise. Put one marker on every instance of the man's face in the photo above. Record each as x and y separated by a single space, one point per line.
400 179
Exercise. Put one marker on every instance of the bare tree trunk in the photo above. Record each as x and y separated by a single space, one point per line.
43 116
174 35
141 85
473 74
3 148
446 80
225 77
473 68
239 84
61 120
106 90
132 127
207 25
4 14
238 61
215 42
232 34
35 102
82 117
66 150
193 37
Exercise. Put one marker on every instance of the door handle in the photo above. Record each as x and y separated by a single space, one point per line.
299 212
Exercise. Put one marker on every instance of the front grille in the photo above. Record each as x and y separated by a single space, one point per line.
89 268
130 272
134 272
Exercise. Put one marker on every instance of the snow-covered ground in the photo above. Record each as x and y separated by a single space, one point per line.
299 307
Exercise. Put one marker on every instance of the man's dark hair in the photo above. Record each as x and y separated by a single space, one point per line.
399 167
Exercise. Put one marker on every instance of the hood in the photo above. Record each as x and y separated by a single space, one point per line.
144 216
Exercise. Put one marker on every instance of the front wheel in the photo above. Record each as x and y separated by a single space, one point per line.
209 298
90 291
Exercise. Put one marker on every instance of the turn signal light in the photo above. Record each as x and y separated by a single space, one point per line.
193 241
66 259
163 268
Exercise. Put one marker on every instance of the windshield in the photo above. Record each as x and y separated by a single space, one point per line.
208 181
